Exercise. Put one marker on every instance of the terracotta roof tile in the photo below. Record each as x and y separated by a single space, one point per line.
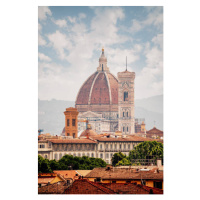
120 139
45 180
66 173
123 173
83 186
126 188
55 188
74 141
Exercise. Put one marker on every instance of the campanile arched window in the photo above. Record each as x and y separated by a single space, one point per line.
125 96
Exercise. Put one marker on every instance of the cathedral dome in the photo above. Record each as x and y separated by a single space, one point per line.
88 132
100 88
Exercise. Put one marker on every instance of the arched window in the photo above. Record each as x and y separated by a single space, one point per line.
127 128
73 135
60 155
123 114
125 96
101 155
55 156
79 155
74 154
123 129
127 114
92 155
68 134
88 155
102 67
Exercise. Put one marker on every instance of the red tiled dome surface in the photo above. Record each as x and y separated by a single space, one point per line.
88 132
99 88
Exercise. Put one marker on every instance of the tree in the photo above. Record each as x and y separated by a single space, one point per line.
53 164
117 157
68 162
123 162
43 165
147 150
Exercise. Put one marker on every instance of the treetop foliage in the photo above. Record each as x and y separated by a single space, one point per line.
68 162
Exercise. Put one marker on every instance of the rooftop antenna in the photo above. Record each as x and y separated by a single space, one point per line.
126 63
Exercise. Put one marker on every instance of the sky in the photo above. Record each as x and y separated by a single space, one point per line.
70 40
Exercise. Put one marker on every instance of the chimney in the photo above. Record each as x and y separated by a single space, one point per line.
159 163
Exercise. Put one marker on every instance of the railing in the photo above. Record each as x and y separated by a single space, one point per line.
117 150
74 149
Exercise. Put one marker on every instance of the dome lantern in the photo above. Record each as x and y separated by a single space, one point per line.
102 62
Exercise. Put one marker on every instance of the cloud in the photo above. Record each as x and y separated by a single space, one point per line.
39 27
136 25
149 81
82 15
43 11
158 40
60 22
58 81
71 19
41 40
60 43
43 57
104 25
154 18
79 46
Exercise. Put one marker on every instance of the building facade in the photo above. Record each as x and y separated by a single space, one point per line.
97 146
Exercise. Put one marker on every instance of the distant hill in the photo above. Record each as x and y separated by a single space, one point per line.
154 103
51 117
150 117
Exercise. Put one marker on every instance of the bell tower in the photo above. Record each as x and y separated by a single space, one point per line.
126 123
71 122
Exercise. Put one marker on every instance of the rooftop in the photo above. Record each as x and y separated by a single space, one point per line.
83 186
74 141
124 173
